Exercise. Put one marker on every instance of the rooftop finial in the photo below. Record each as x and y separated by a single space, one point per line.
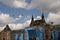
32 17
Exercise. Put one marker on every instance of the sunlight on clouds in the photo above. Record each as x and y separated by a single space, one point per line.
45 5
20 16
1 28
15 3
20 25
6 19
18 4
53 17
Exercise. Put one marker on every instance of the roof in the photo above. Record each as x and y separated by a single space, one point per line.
38 22
7 27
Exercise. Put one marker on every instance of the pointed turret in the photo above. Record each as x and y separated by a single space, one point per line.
43 20
42 16
32 20
7 28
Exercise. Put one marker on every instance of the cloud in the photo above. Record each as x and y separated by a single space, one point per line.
15 3
19 17
23 25
1 28
27 18
37 18
20 25
45 5
53 17
6 19
17 26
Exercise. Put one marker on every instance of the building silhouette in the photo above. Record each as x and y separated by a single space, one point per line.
37 30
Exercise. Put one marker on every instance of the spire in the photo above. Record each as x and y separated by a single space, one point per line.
32 20
43 20
42 16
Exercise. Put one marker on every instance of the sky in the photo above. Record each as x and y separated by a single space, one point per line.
17 13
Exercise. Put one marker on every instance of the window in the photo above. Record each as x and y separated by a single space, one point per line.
3 38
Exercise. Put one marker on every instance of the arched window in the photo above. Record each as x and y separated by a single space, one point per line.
3 38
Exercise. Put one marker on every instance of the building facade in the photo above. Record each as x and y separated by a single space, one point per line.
8 34
37 30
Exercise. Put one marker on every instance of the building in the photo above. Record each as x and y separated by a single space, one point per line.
46 28
38 30
8 34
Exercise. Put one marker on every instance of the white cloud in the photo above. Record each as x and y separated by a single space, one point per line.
6 19
20 25
27 18
38 18
46 5
23 25
1 28
50 6
20 16
15 3
54 17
